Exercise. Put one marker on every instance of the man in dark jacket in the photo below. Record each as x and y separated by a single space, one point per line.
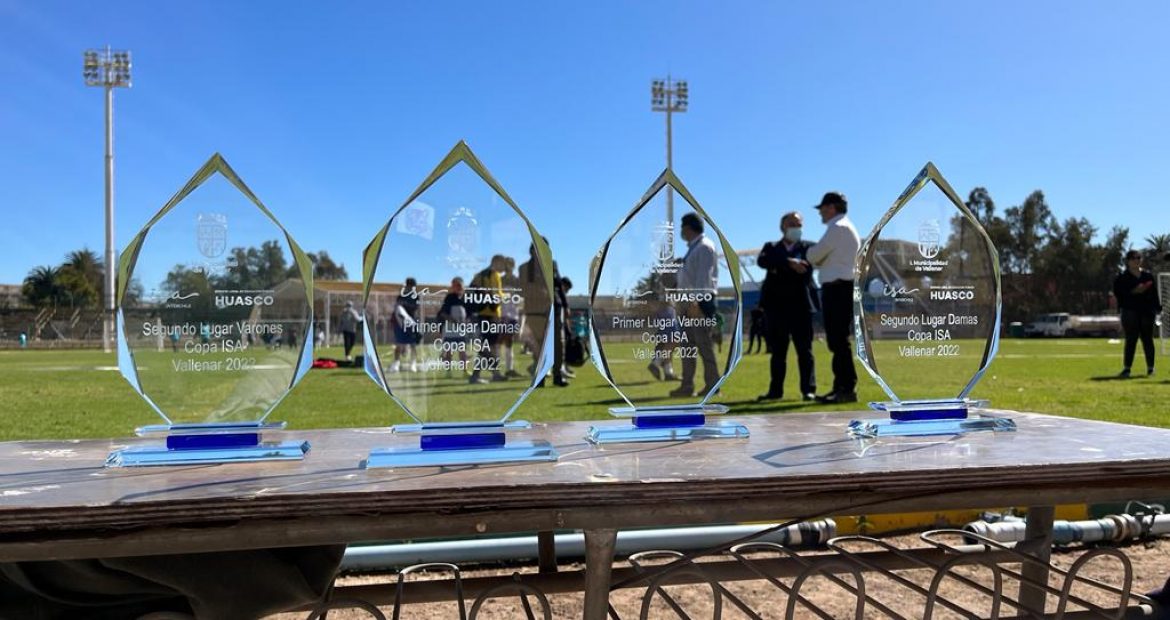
789 300
1137 296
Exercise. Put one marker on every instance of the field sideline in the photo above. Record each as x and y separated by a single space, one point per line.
79 394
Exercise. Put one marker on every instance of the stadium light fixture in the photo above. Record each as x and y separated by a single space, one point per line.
108 69
669 96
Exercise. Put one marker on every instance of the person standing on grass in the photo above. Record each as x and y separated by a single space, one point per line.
699 277
789 300
1137 296
756 332
453 315
510 317
407 332
484 294
537 311
348 323
833 256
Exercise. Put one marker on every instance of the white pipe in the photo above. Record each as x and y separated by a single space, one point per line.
379 557
1113 528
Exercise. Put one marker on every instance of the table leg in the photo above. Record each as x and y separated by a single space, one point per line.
599 545
546 552
1038 543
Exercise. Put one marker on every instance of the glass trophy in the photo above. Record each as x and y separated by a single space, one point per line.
927 300
458 297
666 319
215 314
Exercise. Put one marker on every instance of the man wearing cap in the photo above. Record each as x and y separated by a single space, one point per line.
834 257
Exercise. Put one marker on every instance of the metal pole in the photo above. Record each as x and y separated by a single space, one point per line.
108 322
546 551
669 163
599 545
328 317
1037 542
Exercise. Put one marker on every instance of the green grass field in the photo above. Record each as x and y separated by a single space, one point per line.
80 394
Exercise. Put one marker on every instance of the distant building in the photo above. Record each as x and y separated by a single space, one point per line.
11 296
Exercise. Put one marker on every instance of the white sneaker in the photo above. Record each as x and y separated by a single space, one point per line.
414 367
395 366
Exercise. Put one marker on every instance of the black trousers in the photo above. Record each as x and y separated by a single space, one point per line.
837 309
1137 325
755 341
558 343
348 339
783 327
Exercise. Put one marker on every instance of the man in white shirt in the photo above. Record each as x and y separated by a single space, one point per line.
698 278
834 257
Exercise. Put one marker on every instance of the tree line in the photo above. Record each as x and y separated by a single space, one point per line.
1049 265
78 281
75 283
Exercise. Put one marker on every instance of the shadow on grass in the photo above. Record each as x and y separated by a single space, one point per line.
1112 378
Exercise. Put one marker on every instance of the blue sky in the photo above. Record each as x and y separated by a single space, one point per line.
334 112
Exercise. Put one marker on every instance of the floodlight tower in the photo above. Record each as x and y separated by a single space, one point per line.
108 69
669 96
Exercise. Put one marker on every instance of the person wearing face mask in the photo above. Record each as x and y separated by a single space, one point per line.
789 299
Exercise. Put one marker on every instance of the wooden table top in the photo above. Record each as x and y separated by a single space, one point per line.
58 501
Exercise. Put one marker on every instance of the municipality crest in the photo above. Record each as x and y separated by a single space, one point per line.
211 234
663 242
929 237
462 239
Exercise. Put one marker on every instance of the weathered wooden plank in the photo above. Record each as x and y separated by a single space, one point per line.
57 500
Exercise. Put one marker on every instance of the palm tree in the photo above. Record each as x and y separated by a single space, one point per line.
41 287
81 275
1158 252
1159 245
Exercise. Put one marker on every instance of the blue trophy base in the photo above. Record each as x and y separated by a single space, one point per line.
667 423
461 444
203 444
928 417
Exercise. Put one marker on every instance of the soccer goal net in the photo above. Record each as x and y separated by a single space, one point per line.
1164 295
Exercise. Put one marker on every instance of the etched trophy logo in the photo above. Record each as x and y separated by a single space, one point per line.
662 242
928 239
462 239
211 234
